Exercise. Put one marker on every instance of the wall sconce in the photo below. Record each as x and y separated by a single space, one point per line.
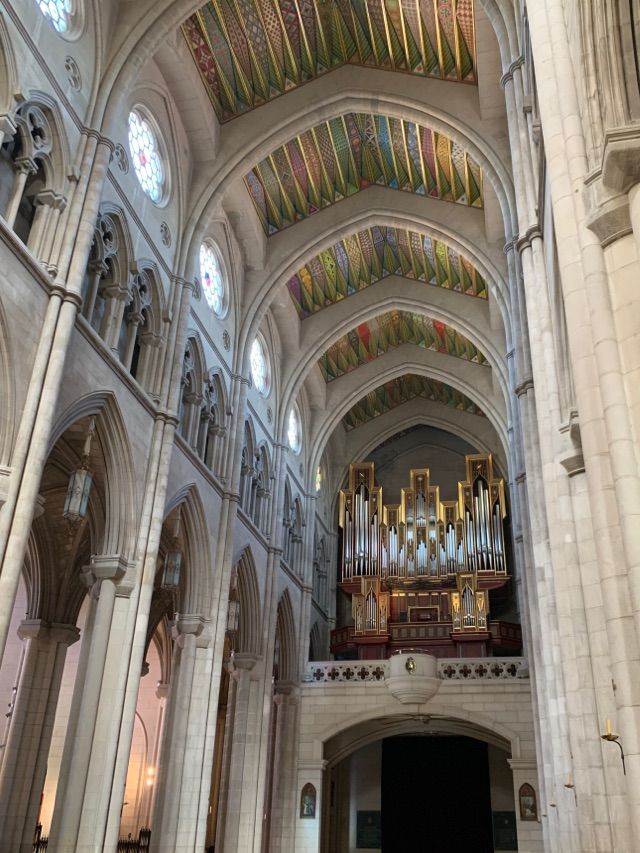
76 502
614 738
172 562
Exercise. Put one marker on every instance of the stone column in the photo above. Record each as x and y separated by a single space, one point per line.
283 778
240 807
176 804
32 441
26 752
24 168
85 773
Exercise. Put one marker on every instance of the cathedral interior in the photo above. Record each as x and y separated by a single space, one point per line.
319 426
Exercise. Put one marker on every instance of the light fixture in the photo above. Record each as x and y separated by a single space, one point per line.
614 738
172 561
76 502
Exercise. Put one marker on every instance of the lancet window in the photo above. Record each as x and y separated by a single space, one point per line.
202 409
292 532
25 172
139 338
320 573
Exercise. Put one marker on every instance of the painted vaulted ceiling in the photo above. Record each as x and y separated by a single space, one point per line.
375 253
342 156
370 340
402 390
251 51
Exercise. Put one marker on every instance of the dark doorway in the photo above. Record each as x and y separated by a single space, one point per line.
435 796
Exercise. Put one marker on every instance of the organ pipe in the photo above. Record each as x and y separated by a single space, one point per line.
423 536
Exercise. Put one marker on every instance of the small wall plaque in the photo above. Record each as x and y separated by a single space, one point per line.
308 802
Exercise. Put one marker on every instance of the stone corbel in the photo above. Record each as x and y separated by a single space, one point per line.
572 458
621 158
610 219
49 198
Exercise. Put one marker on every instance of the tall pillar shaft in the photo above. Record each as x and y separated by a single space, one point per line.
26 749
175 821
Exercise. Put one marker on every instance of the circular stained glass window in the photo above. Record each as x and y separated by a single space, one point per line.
318 478
294 433
146 156
259 367
213 283
59 12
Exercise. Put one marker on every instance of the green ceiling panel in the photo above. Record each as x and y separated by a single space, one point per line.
251 51
375 253
401 390
342 156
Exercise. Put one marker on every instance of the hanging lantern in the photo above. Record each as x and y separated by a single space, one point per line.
171 568
173 560
233 616
76 502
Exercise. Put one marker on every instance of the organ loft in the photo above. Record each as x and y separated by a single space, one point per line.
425 573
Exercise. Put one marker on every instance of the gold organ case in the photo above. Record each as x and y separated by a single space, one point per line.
419 572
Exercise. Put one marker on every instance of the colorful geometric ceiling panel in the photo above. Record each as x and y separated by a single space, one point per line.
401 390
342 156
374 253
370 340
251 51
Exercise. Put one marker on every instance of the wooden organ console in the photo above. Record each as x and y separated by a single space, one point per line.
419 572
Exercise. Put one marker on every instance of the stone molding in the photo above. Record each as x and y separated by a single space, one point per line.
48 632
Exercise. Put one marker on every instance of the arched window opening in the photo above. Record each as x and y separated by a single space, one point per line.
100 273
214 285
59 12
145 148
25 196
260 373
137 344
190 394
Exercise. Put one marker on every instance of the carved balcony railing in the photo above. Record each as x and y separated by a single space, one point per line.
449 669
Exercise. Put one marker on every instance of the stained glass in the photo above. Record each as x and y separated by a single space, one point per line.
146 157
59 13
293 431
259 367
213 283
318 478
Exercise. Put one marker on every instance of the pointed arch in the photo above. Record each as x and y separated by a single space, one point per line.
8 68
315 643
121 498
195 583
249 641
286 640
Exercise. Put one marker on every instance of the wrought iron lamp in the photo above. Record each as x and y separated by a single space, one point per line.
76 503
172 565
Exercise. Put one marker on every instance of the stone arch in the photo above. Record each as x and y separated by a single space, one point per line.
286 640
7 392
195 584
54 154
8 69
121 498
315 643
463 382
249 636
381 719
192 382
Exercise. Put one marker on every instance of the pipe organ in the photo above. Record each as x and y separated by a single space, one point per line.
419 572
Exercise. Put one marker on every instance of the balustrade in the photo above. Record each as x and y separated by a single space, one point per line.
459 669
